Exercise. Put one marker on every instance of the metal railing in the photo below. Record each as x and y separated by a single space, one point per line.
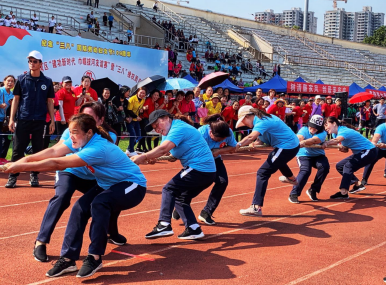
44 17
346 65
130 24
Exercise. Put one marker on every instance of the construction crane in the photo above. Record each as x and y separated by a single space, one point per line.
335 4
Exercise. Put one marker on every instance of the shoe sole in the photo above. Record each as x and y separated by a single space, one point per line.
67 270
289 199
116 243
289 182
309 195
340 198
357 190
201 235
160 235
92 273
202 219
10 186
251 215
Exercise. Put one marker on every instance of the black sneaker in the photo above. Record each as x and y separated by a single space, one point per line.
384 175
356 188
206 218
189 233
312 194
40 253
160 231
175 215
90 266
293 198
62 266
384 279
33 180
11 183
339 195
364 182
117 239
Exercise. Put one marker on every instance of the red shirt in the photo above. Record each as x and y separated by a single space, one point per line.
69 99
78 91
148 102
56 104
189 57
335 111
275 110
186 107
307 115
242 102
229 114
298 114
170 65
326 109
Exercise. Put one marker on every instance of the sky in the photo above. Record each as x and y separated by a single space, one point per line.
244 8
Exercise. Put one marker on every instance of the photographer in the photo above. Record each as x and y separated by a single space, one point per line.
84 93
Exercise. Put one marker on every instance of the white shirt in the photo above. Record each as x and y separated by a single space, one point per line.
271 101
254 83
35 18
92 16
1 21
59 30
52 23
13 22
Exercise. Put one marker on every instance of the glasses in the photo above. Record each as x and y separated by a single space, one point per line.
33 61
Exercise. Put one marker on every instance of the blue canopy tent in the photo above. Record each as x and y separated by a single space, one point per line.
354 89
299 79
227 84
383 88
369 87
191 79
277 83
319 82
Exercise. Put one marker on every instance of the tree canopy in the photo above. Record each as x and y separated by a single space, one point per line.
379 37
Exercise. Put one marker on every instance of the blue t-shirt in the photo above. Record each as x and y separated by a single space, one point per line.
107 162
82 172
381 130
280 135
7 97
191 148
353 140
229 141
306 151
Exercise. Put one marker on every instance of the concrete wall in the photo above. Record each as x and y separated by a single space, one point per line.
228 19
148 28
265 48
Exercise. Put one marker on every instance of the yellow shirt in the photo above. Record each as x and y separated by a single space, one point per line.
206 97
213 110
135 105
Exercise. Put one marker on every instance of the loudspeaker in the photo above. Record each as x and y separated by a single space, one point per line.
343 96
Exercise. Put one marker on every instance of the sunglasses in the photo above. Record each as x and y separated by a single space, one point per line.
33 61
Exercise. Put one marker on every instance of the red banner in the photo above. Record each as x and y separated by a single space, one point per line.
377 94
313 88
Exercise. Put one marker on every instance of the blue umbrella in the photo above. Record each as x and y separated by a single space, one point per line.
176 83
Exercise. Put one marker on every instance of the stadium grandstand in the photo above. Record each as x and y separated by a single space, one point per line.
307 55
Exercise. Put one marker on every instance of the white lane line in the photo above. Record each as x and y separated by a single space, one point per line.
351 257
233 231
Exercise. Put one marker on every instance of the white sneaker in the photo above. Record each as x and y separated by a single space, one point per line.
286 180
251 211
130 154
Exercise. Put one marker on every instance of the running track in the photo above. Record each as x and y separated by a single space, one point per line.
325 242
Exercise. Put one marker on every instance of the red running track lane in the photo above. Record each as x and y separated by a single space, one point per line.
325 242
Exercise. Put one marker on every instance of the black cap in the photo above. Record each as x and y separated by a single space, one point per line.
154 117
66 79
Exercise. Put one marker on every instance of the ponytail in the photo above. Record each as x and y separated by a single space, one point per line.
218 126
260 113
183 118
104 134
338 122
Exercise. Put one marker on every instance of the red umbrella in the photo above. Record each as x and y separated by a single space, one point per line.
212 79
360 97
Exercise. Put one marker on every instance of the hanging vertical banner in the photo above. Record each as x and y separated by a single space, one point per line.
75 57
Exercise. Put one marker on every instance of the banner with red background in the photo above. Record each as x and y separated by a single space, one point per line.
377 94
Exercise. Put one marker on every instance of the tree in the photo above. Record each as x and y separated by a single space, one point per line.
379 37
296 27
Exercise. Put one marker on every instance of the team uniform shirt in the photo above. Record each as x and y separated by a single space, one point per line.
167 105
277 111
242 103
298 113
280 135
326 108
310 152
13 23
381 130
353 140
52 23
148 102
82 172
78 92
7 22
59 30
191 148
107 162
206 97
69 100
7 97
229 141
135 105
187 107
